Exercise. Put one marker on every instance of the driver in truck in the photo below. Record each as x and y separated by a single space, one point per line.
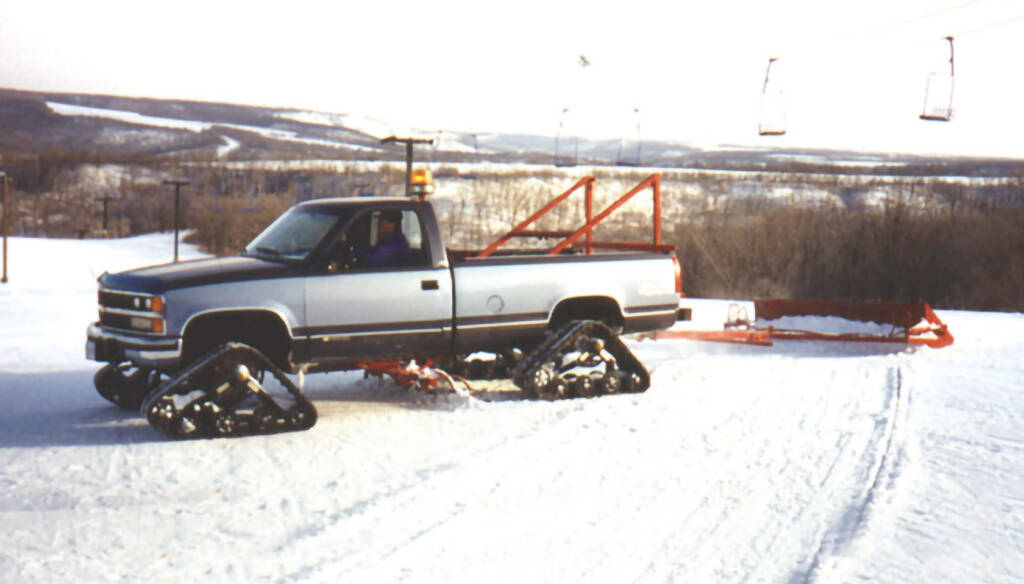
392 247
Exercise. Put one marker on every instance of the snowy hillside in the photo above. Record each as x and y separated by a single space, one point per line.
798 463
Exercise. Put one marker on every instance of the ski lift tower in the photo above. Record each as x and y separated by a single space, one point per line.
565 160
619 160
938 92
3 221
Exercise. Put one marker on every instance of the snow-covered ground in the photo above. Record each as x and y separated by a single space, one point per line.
799 463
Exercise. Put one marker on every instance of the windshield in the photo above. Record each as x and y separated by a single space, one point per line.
293 235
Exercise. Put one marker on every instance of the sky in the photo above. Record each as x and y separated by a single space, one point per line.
853 74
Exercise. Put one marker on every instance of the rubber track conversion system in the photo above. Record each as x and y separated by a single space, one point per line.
582 359
221 395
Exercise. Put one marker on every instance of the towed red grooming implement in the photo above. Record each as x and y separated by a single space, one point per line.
876 322
819 320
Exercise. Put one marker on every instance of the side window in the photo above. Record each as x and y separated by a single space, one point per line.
413 234
385 238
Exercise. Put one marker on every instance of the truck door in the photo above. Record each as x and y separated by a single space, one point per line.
377 292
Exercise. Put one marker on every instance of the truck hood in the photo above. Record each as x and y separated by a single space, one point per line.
164 277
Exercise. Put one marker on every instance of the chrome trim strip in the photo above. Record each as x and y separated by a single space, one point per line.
502 324
95 332
155 355
124 312
125 332
347 336
656 313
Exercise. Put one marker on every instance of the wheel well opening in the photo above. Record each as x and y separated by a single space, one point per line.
600 308
259 329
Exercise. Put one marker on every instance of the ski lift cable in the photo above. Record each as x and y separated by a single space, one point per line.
990 26
846 43
909 21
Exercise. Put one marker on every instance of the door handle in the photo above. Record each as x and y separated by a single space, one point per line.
429 285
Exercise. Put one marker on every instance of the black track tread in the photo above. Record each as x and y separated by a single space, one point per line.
270 418
563 340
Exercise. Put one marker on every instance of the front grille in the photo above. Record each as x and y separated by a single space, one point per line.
118 310
114 300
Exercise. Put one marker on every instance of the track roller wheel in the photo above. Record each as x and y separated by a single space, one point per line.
266 421
162 414
225 424
583 386
632 383
301 417
610 383
557 388
191 424
540 378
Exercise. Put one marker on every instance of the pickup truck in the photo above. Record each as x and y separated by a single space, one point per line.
307 295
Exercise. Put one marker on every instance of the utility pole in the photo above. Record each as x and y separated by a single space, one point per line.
408 156
178 183
105 201
3 221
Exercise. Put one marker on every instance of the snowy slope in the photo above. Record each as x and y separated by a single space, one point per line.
799 463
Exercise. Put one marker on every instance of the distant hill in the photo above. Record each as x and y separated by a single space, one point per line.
97 127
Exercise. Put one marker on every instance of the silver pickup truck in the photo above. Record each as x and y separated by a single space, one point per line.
335 283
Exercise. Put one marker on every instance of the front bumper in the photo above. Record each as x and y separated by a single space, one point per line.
106 346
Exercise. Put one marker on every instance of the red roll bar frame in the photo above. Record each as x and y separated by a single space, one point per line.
587 229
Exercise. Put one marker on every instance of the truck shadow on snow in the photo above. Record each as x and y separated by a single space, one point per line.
338 389
61 409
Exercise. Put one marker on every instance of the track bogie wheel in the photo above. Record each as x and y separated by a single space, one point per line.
302 417
541 377
557 388
611 382
266 420
190 425
225 424
583 386
632 383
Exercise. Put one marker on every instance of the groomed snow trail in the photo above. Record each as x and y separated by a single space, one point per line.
951 500
801 463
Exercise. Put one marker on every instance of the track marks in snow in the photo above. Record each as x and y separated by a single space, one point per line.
958 513
879 455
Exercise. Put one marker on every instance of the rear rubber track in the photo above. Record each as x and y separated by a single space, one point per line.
582 359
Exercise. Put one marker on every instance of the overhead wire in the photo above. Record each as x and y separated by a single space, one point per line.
996 24
845 43
913 20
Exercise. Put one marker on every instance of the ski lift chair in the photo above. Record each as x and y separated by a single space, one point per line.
938 92
773 106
